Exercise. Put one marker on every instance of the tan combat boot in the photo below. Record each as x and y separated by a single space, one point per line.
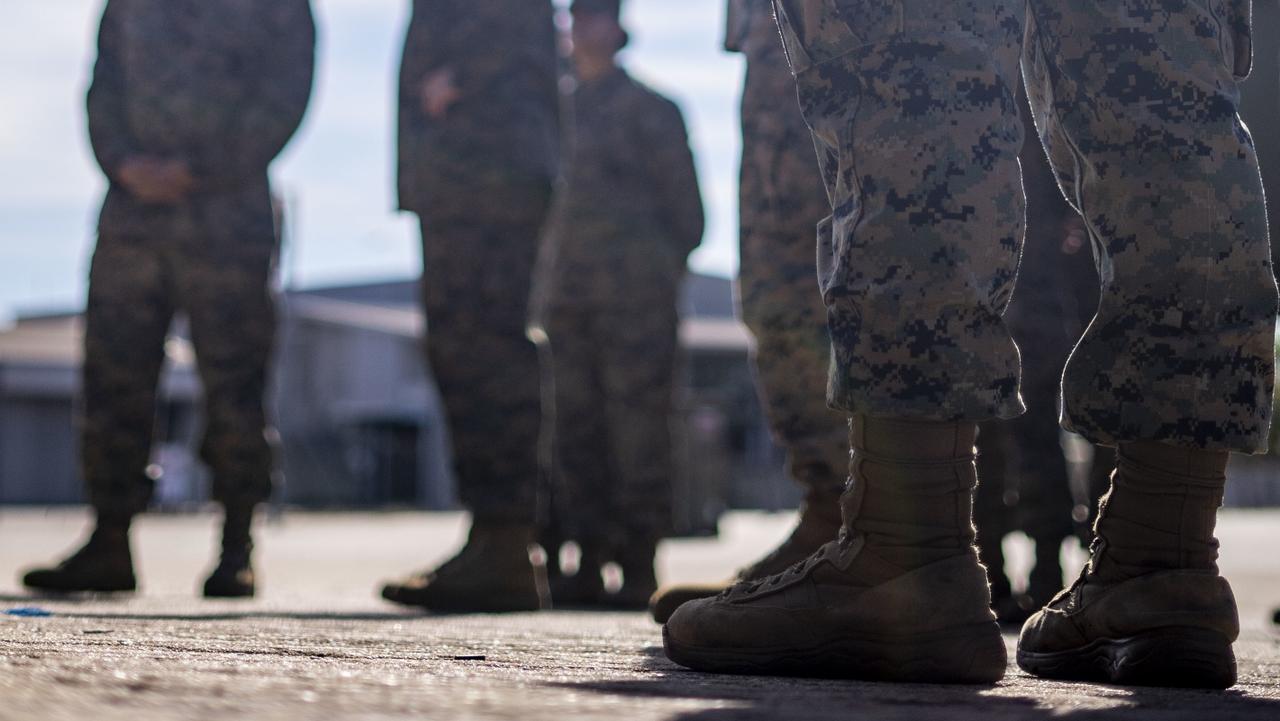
103 564
819 522
900 596
1149 608
491 574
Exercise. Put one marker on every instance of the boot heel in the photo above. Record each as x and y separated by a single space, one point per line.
1181 657
975 654
969 654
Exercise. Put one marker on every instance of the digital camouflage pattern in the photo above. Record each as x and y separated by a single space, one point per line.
780 200
222 86
480 180
628 216
913 107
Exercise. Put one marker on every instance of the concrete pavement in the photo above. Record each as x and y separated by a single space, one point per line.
318 644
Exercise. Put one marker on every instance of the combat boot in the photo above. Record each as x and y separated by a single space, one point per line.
819 522
104 564
899 596
234 577
491 574
1150 607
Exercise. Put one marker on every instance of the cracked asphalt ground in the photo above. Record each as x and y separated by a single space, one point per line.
319 644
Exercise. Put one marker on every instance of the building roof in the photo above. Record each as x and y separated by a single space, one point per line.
55 340
58 340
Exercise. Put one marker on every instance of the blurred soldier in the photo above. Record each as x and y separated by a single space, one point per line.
780 200
628 216
1023 473
478 152
1260 100
913 107
190 102
1260 109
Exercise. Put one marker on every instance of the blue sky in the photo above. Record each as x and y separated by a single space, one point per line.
337 173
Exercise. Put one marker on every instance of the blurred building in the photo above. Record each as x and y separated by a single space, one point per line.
359 418
361 424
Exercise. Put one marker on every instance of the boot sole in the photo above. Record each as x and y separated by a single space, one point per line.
229 592
1176 657
122 587
968 654
491 603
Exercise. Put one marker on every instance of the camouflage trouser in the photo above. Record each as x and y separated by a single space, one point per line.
478 258
612 371
780 199
213 261
912 105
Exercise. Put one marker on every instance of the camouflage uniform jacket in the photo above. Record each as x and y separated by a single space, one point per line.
220 85
630 211
505 124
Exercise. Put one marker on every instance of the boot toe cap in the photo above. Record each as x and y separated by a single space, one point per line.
665 601
714 622
1048 631
40 578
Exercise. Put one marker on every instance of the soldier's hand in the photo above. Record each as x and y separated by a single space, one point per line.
156 181
439 91
176 177
140 175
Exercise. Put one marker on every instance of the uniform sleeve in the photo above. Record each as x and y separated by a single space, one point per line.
1240 25
671 171
442 34
496 44
487 45
273 111
737 24
417 57
109 131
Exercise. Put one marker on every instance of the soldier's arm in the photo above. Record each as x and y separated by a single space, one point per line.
431 35
497 42
673 175
735 20
109 131
273 112
451 50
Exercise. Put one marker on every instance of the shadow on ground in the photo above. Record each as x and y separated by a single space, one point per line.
755 698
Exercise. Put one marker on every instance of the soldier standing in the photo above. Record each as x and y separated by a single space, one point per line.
478 151
190 102
780 199
628 216
913 109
